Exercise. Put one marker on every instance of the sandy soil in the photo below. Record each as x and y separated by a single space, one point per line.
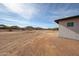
37 43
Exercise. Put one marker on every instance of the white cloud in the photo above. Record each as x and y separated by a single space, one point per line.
26 11
63 12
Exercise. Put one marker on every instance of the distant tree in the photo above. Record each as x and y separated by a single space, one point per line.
15 27
39 28
23 29
53 28
11 28
29 28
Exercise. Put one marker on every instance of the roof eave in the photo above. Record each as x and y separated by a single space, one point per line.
57 21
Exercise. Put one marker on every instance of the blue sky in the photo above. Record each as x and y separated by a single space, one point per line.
37 15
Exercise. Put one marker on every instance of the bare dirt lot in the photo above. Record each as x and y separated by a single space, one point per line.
37 43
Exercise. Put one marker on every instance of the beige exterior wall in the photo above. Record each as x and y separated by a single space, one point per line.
69 32
66 33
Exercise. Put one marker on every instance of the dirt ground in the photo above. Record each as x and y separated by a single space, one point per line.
37 43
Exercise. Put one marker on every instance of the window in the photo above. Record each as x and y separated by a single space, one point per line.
70 24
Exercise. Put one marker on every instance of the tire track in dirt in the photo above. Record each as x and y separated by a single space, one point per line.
19 43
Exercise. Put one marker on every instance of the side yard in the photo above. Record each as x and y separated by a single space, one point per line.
40 42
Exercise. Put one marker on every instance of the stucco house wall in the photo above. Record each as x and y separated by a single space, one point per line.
69 32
